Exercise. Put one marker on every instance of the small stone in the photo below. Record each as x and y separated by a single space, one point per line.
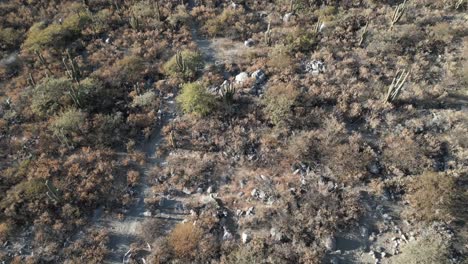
240 194
210 189
383 255
199 190
330 243
287 17
186 190
262 195
249 43
245 237
147 213
250 211
254 193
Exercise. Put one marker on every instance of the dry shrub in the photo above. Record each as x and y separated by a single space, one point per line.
432 196
133 177
5 230
429 249
404 153
151 229
184 240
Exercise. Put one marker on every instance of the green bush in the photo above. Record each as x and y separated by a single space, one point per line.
101 21
193 61
195 99
147 99
278 101
181 16
217 26
24 191
68 122
52 95
427 250
301 40
9 37
41 35
129 69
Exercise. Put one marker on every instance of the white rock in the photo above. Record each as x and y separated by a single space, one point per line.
241 78
245 237
186 190
209 190
315 67
249 43
147 213
254 192
287 17
330 243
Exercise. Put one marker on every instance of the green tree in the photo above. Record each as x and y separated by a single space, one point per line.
195 99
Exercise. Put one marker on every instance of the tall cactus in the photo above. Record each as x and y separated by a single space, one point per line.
157 9
181 62
398 13
52 192
134 22
71 67
227 92
363 34
30 80
43 61
397 84
318 26
268 40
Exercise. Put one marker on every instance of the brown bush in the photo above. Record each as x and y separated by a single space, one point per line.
184 240
432 196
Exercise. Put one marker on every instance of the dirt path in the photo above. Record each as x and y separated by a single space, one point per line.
126 231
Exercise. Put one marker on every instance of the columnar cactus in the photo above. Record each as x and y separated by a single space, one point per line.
227 92
71 67
31 80
180 62
397 84
268 40
134 22
318 26
52 192
398 13
43 61
363 34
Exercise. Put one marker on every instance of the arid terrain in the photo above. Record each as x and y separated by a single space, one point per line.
234 132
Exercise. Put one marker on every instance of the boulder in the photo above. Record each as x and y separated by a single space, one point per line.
259 76
315 67
330 243
241 78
